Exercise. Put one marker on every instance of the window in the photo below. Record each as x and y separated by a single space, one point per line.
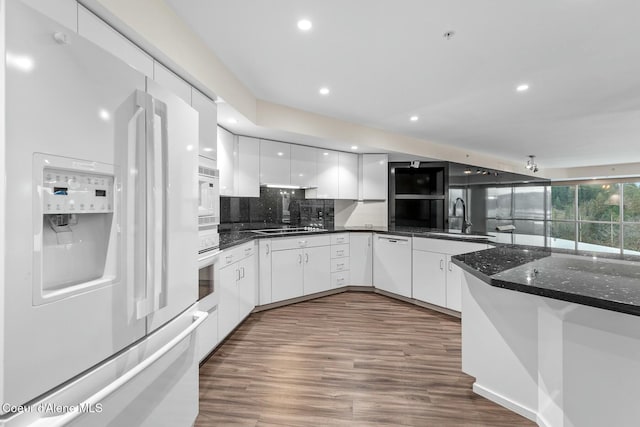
601 217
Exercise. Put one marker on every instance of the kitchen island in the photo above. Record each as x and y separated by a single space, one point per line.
554 335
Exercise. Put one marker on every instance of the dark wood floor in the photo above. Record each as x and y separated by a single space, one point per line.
352 359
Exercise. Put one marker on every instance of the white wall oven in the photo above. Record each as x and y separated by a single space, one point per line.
208 221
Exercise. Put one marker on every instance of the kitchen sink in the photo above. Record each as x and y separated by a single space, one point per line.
289 230
461 236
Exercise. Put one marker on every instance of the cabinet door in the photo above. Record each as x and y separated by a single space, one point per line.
226 161
171 81
247 286
228 309
287 274
248 165
361 250
429 276
207 124
374 177
454 286
327 175
63 11
275 163
96 30
317 269
264 251
347 176
304 166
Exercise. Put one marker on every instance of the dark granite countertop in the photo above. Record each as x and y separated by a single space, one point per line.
606 281
232 238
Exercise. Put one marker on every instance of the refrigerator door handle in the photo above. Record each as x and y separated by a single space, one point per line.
67 417
160 232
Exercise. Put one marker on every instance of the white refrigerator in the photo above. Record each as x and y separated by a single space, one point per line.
98 211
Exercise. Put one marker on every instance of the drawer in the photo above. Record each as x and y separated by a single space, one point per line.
339 238
339 279
339 264
339 251
300 242
229 256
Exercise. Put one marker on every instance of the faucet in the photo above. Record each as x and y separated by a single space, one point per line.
466 225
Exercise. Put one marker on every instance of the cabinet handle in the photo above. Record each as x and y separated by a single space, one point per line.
267 249
441 264
450 266
306 258
340 266
247 251
238 274
369 241
340 253
302 242
228 259
242 269
299 258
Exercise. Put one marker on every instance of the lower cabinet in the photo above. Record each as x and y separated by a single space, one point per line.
237 279
361 261
299 266
435 278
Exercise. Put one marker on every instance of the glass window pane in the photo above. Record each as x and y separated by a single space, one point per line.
599 202
632 239
563 202
499 202
599 237
632 202
529 202
562 235
529 227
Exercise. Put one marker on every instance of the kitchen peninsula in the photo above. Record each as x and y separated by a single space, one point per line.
553 335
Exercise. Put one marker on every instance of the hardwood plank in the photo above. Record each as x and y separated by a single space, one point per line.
349 359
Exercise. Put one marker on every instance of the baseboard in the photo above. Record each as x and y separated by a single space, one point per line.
351 288
506 402
419 303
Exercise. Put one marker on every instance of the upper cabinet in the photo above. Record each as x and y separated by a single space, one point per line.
171 81
328 175
374 172
96 30
207 124
226 161
304 166
347 176
63 11
275 163
248 166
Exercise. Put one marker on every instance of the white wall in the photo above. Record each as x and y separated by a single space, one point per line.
349 213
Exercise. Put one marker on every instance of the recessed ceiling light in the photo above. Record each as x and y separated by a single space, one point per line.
104 114
324 91
325 154
232 121
280 153
354 147
523 87
414 118
208 149
304 25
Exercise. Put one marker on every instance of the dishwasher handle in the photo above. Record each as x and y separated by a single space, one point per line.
395 240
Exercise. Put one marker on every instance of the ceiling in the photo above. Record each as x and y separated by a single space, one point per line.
386 60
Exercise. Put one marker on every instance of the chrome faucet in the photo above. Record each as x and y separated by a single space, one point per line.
466 225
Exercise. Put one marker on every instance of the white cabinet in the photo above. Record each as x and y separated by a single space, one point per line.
248 166
361 262
436 279
374 172
171 81
299 266
264 261
327 161
392 264
96 30
237 282
226 161
429 276
63 11
304 166
207 124
275 163
347 176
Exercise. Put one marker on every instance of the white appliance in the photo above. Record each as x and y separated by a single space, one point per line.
99 223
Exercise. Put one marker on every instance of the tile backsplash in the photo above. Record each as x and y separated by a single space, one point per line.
276 207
